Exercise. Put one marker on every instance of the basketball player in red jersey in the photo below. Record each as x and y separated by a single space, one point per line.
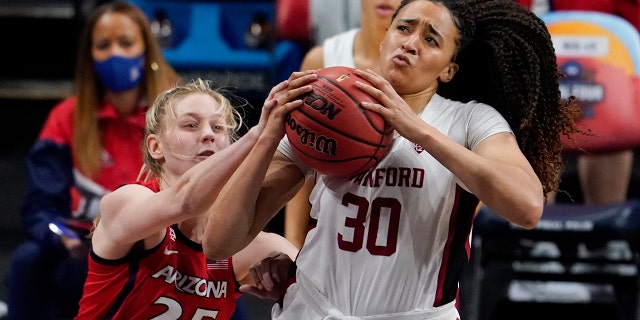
146 259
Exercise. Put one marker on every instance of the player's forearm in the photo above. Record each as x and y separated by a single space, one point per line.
200 186
232 216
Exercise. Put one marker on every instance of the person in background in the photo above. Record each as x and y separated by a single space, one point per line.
604 178
356 48
88 146
146 261
329 17
472 91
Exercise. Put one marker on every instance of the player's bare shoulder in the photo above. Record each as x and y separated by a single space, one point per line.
314 59
125 195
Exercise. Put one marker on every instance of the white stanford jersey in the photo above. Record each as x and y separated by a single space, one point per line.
396 238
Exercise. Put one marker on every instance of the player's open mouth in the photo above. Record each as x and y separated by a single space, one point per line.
205 154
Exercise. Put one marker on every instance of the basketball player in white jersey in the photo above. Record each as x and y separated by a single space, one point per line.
356 48
392 243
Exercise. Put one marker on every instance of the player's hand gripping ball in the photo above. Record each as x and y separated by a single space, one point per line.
331 133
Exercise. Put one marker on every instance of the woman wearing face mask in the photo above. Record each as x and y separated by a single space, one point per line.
89 145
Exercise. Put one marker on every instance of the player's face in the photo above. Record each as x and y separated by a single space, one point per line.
380 11
195 132
116 34
418 48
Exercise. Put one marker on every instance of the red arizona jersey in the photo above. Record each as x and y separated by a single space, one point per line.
174 280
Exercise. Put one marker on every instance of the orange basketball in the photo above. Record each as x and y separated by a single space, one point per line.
331 133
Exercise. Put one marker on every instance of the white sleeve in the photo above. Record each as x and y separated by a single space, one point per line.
285 148
484 122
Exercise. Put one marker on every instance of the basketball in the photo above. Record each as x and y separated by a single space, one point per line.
331 133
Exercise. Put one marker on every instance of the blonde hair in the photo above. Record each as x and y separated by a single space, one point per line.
164 106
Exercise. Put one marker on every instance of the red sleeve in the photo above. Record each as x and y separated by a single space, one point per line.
58 126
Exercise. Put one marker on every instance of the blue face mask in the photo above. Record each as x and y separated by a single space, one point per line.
120 73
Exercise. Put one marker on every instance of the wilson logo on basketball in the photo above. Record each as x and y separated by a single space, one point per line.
322 105
308 138
331 132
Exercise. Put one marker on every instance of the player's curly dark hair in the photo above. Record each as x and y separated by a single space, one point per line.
507 60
